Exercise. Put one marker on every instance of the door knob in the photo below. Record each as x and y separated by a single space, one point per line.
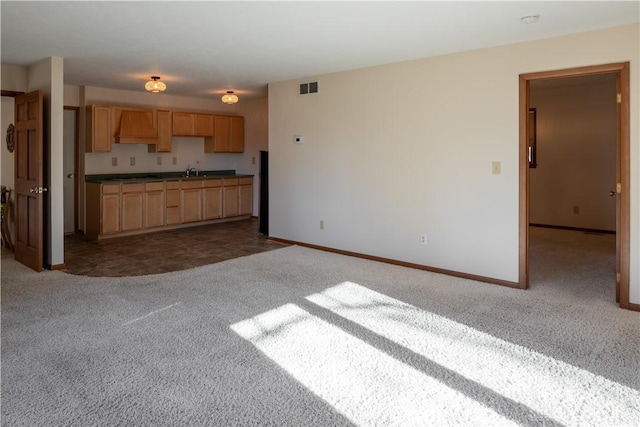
612 193
37 190
70 175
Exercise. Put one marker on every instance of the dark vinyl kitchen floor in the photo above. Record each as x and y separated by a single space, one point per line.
164 251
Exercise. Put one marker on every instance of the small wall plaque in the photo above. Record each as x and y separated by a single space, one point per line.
10 140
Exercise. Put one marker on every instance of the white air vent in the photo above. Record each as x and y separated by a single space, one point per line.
308 88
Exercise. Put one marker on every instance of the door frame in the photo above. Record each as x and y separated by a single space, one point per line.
621 70
76 166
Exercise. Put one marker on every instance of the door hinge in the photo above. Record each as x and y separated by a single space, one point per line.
619 98
617 277
618 188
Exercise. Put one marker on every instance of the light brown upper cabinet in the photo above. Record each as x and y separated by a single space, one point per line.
192 124
99 129
164 133
228 135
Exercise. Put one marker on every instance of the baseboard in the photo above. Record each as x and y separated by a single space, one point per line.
403 264
562 227
56 266
634 307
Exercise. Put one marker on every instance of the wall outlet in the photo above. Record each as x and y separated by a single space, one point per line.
114 161
321 224
174 161
495 168
253 160
132 161
159 161
423 239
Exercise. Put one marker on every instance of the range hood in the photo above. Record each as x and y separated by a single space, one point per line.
136 126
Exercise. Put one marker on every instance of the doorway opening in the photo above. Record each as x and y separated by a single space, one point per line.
619 72
70 167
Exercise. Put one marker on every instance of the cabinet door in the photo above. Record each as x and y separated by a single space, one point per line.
236 134
132 207
99 129
212 203
182 124
191 204
154 206
221 134
164 134
230 195
202 124
246 200
110 213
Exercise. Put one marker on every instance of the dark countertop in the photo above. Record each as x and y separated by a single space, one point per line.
161 176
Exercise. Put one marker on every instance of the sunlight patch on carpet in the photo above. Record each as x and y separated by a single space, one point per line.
553 388
366 385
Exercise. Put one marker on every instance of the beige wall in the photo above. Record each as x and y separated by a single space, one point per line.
14 78
577 131
394 152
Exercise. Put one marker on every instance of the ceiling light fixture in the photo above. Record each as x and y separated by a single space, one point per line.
229 97
530 19
155 85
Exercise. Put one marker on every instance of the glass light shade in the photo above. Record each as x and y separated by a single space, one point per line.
155 85
229 98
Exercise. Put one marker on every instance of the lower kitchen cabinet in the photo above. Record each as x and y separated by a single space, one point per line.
191 200
154 206
212 199
132 206
245 197
173 202
230 193
103 209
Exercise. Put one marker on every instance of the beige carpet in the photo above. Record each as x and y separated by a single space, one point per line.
299 337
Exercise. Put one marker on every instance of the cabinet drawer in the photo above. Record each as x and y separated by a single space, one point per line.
192 184
133 188
230 181
246 181
173 185
154 186
209 183
173 198
111 189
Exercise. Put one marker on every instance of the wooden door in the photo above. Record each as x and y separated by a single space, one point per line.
28 179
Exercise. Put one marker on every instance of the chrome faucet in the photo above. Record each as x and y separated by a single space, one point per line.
187 173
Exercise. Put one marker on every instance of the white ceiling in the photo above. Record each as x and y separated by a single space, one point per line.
202 49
